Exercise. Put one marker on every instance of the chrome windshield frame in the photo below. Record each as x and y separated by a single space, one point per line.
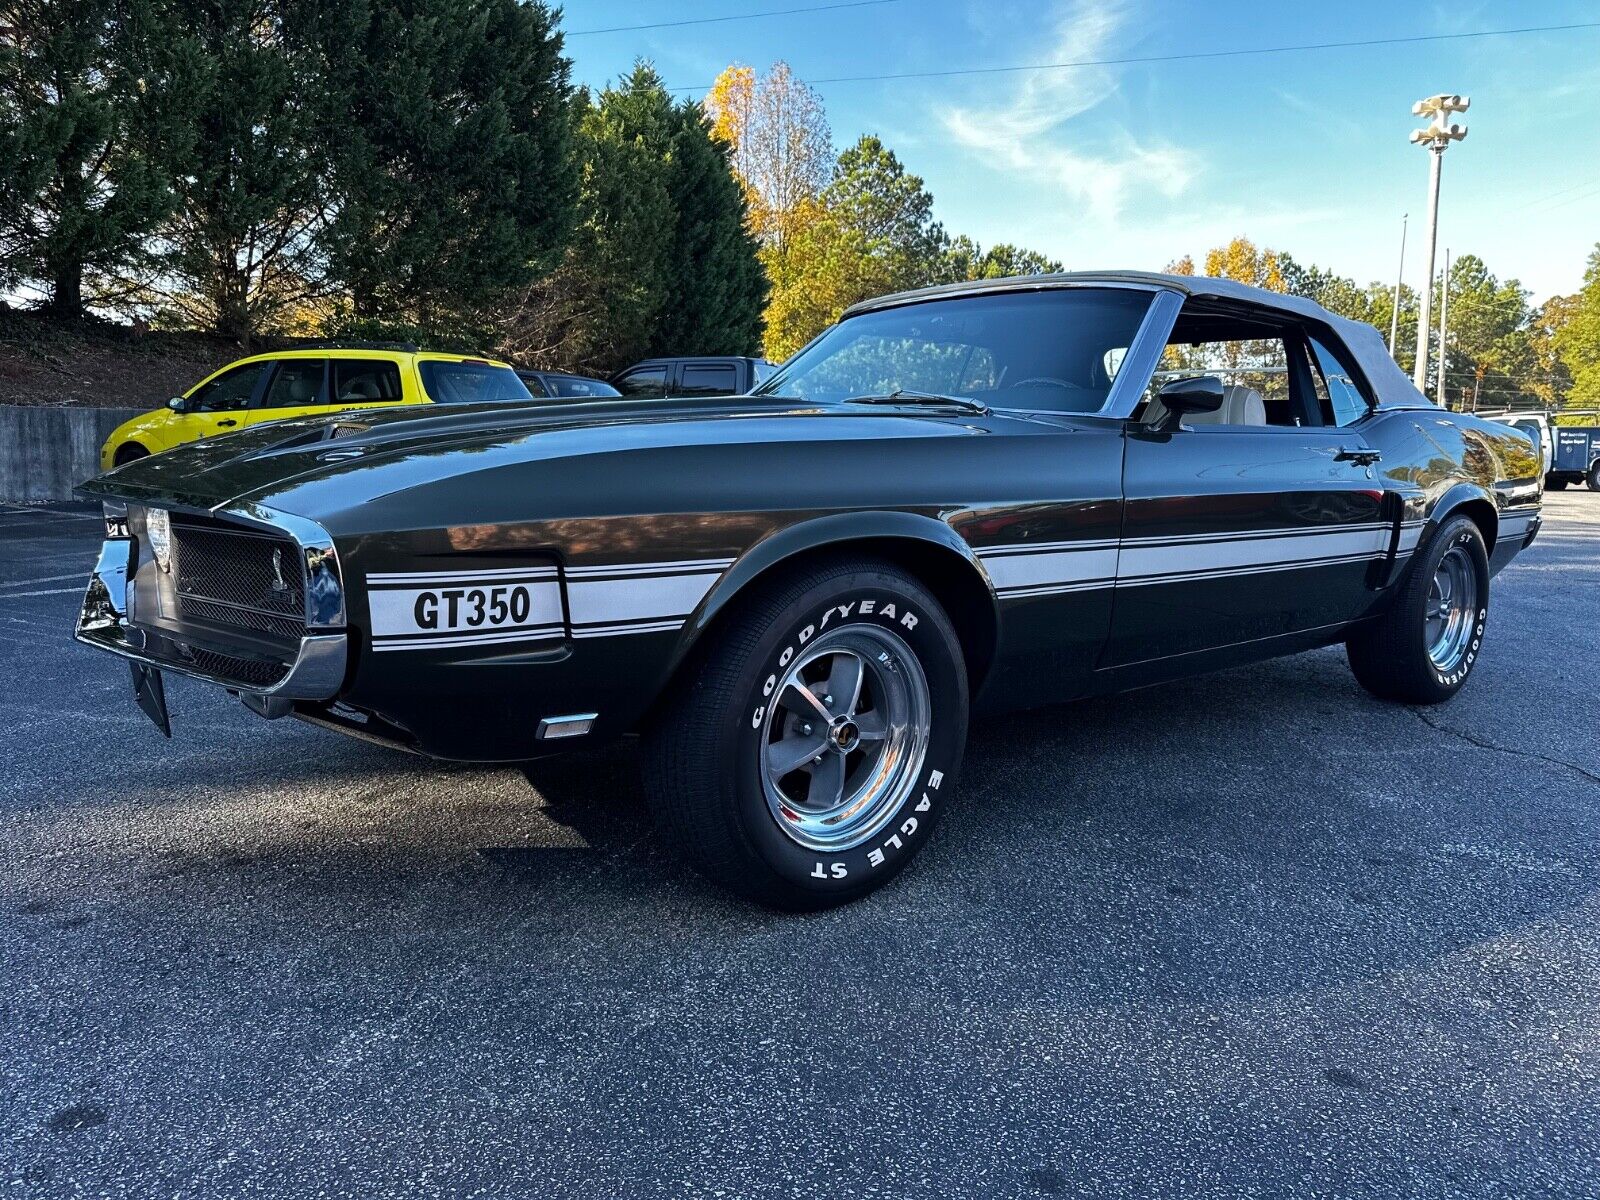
1132 378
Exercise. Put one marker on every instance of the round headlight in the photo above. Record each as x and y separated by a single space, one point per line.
158 528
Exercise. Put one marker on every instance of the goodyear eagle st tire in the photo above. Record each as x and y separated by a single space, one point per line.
1423 649
816 738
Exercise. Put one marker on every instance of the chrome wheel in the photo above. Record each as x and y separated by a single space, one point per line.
1452 611
845 736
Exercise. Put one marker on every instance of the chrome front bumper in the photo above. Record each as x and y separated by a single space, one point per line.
317 668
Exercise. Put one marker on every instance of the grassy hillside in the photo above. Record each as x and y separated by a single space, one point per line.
95 364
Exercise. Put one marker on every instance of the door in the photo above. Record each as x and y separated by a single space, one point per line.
297 386
1260 520
220 404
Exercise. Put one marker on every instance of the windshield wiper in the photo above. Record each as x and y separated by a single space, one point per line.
907 396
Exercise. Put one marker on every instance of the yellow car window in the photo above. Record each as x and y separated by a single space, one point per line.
296 384
365 381
228 391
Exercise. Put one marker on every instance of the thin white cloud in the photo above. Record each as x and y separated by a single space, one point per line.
1034 131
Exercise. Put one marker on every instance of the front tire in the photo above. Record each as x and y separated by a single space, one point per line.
130 452
1424 647
1593 478
814 742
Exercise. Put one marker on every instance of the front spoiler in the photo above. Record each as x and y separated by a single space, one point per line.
315 673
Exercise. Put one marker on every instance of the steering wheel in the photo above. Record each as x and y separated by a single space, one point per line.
1050 379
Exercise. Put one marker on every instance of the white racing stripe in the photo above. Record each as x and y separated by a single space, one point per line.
635 597
1051 567
1054 568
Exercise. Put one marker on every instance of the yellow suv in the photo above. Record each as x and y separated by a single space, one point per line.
298 383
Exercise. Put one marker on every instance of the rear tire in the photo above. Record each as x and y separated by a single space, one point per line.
1555 485
853 660
1593 478
1424 647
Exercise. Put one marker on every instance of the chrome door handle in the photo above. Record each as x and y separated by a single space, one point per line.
1358 455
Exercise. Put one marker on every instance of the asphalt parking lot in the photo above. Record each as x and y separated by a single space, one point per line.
1254 932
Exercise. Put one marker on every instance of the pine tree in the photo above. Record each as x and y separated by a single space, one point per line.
83 140
716 287
454 174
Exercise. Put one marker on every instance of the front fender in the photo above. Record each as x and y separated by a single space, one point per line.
820 533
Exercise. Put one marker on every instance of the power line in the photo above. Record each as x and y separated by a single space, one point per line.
777 12
1186 57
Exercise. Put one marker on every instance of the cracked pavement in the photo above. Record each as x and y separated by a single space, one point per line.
1251 933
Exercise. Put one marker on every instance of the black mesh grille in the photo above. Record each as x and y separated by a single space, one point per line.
238 670
229 577
284 629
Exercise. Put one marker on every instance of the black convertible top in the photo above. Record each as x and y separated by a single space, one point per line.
1393 387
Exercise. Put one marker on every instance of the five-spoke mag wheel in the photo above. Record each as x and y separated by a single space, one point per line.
845 737
1452 609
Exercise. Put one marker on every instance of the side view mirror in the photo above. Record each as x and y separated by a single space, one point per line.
1202 393
178 404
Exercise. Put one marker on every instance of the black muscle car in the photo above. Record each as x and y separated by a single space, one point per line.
995 495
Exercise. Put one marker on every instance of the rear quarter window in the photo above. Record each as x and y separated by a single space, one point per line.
470 382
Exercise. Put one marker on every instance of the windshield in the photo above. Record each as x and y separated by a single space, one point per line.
1054 350
470 382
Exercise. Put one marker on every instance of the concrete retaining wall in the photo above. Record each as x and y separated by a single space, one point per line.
45 452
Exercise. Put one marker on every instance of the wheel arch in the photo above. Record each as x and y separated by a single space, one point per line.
926 548
128 451
1469 500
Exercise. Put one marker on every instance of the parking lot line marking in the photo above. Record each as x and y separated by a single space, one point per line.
42 579
45 592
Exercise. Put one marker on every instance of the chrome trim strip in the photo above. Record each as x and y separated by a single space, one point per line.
1139 364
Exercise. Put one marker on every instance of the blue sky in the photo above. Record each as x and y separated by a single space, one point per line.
1131 166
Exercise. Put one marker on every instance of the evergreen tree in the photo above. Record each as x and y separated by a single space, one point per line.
452 134
84 134
716 287
661 261
965 260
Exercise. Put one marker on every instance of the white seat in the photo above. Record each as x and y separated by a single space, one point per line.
1240 406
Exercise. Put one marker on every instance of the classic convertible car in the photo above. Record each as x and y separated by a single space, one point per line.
1000 494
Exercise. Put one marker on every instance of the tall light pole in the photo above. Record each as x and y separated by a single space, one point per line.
1444 322
1394 315
1436 135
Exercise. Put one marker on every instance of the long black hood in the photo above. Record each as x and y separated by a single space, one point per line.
369 453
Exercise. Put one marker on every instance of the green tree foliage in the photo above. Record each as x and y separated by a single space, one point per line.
241 253
1489 358
871 231
1576 338
86 129
449 124
965 260
661 261
716 287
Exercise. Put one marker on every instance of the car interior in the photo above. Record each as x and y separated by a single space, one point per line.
1274 373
